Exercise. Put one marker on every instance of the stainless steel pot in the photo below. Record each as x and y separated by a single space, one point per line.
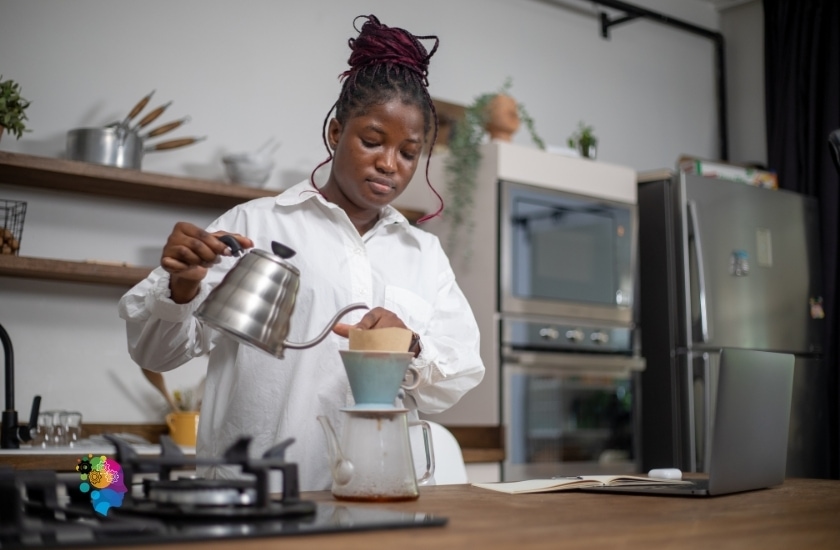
254 302
111 146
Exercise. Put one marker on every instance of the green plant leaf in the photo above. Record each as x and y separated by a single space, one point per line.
584 136
12 108
463 162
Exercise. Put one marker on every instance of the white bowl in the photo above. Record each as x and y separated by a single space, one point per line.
247 169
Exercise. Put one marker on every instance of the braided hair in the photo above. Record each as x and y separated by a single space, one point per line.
386 63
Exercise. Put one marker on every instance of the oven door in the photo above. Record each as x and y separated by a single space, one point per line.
570 414
566 255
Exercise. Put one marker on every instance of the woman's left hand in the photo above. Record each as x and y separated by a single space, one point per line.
378 317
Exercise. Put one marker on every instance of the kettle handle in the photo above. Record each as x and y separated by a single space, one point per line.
236 249
341 313
233 244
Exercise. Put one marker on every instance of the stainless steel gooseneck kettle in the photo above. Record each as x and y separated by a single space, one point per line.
256 298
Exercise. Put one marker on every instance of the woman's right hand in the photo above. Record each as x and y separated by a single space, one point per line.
188 253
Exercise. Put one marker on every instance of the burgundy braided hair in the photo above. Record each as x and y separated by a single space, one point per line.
385 63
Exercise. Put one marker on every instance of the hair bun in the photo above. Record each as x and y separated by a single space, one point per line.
379 44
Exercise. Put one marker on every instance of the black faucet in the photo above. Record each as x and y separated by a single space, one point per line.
13 433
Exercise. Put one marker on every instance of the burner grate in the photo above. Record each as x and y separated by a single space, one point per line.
40 510
172 458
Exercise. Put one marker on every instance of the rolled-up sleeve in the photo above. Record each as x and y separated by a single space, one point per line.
161 334
449 361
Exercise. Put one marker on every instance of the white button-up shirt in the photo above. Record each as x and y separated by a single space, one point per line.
249 392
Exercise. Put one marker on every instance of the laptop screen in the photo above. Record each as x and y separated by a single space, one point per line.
752 416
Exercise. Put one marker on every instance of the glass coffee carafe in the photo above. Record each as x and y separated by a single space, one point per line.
372 460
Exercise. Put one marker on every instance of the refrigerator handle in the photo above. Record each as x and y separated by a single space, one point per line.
694 239
708 411
699 407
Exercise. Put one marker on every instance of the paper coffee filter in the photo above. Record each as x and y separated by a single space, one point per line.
380 339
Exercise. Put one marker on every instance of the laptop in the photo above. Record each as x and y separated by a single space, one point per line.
751 420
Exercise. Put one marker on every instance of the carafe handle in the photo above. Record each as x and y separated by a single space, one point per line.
428 475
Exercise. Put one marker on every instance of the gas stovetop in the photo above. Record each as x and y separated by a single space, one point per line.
133 499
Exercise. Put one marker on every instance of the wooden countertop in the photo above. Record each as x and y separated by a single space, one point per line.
802 513
478 444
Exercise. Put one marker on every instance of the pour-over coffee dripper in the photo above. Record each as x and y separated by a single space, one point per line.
376 377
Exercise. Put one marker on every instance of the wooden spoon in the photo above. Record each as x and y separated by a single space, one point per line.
157 381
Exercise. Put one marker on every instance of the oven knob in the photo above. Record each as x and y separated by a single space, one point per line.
574 335
549 333
599 337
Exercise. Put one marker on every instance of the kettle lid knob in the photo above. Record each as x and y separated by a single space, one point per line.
282 250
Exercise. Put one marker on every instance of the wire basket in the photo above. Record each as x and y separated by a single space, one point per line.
12 214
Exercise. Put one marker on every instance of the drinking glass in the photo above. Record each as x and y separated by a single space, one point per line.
59 438
45 430
71 423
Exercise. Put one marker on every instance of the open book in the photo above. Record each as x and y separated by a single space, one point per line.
574 482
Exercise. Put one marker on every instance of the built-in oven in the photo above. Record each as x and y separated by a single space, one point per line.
570 398
566 255
568 346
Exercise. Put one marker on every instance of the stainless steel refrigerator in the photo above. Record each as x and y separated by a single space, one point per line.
726 264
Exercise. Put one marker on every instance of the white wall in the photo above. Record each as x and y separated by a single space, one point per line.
742 27
246 71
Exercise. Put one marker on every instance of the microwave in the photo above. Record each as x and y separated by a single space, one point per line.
565 254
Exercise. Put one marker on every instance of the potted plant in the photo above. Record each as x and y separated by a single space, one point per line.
461 166
584 141
12 108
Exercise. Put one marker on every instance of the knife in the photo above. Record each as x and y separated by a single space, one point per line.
151 116
173 144
134 112
165 128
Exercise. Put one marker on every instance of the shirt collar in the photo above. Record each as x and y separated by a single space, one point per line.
304 191
299 193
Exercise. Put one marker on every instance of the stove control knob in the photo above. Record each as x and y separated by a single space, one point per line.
549 333
574 335
599 337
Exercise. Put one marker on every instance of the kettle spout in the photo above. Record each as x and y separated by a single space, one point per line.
341 313
340 467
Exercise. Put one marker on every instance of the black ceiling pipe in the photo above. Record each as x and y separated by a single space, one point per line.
632 12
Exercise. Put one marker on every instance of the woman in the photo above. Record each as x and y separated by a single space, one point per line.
352 247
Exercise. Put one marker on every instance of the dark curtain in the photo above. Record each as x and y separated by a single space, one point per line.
802 87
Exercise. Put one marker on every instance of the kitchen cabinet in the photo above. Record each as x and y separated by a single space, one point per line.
107 181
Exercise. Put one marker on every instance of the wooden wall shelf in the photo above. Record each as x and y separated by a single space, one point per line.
107 181
79 272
